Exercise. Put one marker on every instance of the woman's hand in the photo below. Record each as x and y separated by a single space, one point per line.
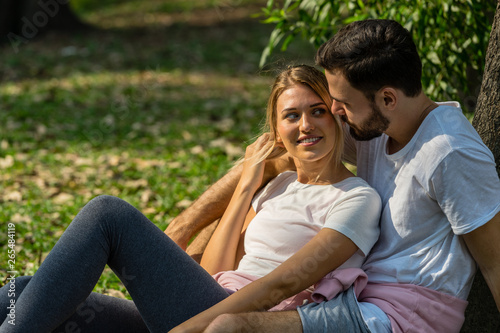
255 158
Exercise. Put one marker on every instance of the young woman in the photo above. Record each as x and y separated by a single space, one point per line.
300 227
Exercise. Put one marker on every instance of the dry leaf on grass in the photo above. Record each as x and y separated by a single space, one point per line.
115 293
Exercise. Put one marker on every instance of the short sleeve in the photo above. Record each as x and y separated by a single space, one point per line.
467 188
356 215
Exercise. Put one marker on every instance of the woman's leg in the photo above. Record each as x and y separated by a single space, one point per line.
167 286
98 313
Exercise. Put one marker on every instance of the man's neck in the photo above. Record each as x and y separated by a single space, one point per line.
406 120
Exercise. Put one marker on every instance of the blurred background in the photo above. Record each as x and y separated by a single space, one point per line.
153 101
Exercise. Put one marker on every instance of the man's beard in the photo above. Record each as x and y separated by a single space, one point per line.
372 128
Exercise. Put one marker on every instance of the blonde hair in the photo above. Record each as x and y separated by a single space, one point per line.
316 81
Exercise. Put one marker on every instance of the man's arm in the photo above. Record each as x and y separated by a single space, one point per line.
257 322
206 209
213 202
484 245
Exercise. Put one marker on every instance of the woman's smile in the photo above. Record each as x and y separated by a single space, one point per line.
309 140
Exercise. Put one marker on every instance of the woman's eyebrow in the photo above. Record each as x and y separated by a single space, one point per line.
311 106
316 104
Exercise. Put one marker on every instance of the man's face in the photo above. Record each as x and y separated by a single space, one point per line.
364 117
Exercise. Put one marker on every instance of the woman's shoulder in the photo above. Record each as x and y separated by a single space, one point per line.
358 188
355 184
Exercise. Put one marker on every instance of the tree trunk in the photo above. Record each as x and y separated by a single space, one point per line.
24 20
487 116
482 314
10 10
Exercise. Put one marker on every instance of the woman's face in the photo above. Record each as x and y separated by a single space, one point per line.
305 125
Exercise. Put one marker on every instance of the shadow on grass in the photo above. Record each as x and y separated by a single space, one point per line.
201 65
205 40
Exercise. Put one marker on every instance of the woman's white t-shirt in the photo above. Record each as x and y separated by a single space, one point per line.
290 213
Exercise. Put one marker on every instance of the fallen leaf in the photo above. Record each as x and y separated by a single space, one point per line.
146 196
6 162
13 196
18 218
115 293
174 165
225 124
62 198
184 204
196 150
136 183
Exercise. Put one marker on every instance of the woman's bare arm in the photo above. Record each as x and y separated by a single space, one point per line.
222 250
211 205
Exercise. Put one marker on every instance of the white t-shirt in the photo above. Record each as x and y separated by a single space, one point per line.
290 213
441 185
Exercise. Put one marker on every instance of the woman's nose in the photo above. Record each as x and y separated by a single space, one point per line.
306 124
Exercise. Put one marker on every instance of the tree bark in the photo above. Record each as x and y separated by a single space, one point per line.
487 116
482 314
10 10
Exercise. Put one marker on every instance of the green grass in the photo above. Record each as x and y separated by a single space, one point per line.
153 106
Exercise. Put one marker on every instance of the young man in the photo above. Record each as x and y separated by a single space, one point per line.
438 184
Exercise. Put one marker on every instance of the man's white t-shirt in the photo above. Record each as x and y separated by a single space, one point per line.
441 185
290 213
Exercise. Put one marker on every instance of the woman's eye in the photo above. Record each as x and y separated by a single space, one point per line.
319 112
291 116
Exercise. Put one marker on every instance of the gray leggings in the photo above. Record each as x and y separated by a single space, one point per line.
166 285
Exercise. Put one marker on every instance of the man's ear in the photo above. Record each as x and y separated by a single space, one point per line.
389 96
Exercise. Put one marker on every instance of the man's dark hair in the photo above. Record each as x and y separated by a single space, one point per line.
372 54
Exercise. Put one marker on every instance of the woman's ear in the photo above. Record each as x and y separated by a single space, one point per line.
279 142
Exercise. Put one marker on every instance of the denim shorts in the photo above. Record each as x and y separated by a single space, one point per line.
343 314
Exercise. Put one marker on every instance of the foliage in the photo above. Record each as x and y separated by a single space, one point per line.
451 35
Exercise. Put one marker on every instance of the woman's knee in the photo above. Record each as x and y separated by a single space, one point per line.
100 210
106 210
104 202
106 206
